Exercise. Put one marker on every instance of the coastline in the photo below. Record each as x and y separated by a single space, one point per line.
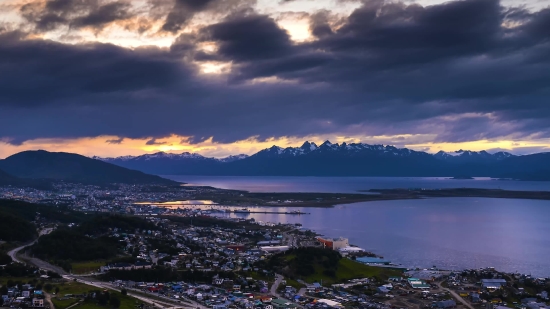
324 200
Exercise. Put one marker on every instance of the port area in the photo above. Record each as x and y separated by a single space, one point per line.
270 212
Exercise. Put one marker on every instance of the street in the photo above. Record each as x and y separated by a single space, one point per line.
13 253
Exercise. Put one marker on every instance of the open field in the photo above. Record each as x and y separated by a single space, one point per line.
4 280
348 269
86 267
76 288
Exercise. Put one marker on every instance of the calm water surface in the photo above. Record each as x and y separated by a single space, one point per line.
453 233
350 184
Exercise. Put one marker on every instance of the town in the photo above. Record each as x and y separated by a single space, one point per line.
103 248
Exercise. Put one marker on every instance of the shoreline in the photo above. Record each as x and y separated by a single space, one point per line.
223 197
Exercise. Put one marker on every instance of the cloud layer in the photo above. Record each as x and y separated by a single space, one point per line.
459 71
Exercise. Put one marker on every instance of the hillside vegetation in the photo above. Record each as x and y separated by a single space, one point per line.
318 264
15 228
53 213
88 241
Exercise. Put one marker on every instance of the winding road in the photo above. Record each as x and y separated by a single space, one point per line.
13 253
165 303
275 285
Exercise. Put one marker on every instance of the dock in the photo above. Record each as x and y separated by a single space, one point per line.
270 212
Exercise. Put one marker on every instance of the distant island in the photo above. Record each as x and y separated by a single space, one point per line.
399 194
297 199
462 178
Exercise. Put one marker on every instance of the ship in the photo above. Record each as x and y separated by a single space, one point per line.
244 210
296 212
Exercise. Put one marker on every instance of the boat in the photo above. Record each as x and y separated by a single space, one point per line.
297 212
244 210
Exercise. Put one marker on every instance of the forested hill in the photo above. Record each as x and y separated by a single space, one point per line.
10 180
16 218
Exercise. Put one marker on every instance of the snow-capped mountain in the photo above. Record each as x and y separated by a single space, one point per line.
233 158
462 156
154 156
328 159
169 163
353 149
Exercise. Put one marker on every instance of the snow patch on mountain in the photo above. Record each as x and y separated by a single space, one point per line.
233 158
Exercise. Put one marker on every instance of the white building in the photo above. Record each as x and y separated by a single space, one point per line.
275 248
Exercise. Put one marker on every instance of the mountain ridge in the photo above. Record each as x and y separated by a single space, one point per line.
353 159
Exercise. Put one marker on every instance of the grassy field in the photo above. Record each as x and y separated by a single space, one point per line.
4 280
293 283
86 267
348 269
71 287
259 276
126 302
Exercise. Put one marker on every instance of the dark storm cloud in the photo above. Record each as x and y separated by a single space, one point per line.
115 141
244 37
36 72
75 13
258 46
319 24
459 50
462 70
183 10
153 141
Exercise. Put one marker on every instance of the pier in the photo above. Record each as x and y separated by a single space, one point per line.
270 212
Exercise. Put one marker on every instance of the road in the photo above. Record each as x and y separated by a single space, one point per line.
49 300
456 296
13 253
164 303
275 285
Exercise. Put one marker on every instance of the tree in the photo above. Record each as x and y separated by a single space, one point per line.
48 287
102 298
114 302
4 259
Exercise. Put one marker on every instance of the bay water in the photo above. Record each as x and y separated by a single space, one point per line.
512 235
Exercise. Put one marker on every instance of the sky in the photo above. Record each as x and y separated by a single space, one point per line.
222 77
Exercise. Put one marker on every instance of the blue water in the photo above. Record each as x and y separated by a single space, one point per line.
453 233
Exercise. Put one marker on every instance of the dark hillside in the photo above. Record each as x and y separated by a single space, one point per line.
15 228
73 168
29 211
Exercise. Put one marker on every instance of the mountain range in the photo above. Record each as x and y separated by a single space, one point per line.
39 167
354 159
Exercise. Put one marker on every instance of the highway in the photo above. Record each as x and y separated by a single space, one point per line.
13 253
164 303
